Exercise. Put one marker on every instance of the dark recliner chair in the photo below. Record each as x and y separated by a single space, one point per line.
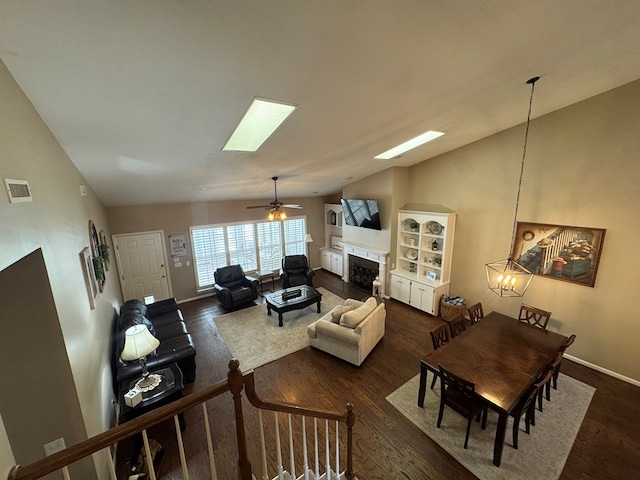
295 271
233 287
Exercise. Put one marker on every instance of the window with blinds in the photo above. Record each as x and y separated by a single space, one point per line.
255 246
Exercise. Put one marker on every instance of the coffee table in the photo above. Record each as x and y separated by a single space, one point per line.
275 302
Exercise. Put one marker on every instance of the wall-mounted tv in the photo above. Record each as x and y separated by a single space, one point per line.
361 213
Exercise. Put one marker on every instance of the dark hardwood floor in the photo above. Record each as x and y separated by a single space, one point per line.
387 446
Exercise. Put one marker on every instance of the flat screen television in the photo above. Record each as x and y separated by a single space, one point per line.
361 213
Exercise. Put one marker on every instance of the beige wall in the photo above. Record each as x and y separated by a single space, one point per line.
177 218
57 222
582 168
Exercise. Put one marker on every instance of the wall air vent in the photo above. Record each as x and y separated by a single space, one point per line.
18 190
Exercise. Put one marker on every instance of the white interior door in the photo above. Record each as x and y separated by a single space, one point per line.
142 265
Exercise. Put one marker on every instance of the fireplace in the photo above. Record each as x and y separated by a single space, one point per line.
362 272
363 264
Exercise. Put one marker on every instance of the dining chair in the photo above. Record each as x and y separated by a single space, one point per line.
460 395
564 347
527 406
534 316
475 313
456 325
555 366
440 335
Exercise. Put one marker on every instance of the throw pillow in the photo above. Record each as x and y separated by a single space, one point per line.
353 318
337 312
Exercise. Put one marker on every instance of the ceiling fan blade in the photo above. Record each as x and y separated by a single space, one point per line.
260 206
292 206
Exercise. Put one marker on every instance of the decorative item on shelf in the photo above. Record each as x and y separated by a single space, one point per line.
413 225
507 278
434 246
431 276
412 242
438 261
412 268
412 254
435 228
429 260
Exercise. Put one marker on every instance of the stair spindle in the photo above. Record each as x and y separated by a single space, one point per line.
149 458
207 427
183 459
292 464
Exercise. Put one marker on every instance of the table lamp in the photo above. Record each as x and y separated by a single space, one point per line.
139 343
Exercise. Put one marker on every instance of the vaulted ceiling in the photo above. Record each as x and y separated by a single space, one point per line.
143 94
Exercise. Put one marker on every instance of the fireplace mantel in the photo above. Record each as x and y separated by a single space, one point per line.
370 253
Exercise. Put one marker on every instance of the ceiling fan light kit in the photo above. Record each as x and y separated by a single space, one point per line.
275 207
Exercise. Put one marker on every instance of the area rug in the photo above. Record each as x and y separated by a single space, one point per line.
254 338
540 455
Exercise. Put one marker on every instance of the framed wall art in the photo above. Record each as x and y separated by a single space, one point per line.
89 277
560 252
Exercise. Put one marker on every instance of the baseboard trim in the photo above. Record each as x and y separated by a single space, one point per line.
603 370
199 297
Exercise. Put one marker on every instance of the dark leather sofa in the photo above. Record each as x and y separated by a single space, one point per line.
233 288
165 322
296 271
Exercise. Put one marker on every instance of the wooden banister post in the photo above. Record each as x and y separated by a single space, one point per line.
351 420
236 385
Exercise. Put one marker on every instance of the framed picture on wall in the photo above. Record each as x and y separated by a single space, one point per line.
561 252
89 276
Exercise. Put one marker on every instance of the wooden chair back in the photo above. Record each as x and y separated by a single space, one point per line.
440 335
459 394
527 405
457 325
475 313
534 316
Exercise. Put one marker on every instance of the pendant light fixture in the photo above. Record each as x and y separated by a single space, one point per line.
507 278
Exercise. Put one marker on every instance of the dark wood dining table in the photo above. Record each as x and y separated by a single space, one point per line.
502 356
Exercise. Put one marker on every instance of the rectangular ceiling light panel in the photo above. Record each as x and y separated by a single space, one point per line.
410 144
258 123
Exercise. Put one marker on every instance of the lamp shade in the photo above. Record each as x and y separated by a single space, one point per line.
138 343
308 238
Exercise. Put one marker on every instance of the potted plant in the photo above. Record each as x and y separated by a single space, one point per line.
104 252
98 269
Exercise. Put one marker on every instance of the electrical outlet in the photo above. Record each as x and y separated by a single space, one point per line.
55 446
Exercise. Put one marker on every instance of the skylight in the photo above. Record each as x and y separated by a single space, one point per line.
410 144
258 123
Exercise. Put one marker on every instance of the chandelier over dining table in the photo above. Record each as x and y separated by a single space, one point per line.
507 278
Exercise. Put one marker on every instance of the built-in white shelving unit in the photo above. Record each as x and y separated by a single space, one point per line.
331 256
423 256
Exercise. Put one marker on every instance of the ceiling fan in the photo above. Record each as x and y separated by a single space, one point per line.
274 207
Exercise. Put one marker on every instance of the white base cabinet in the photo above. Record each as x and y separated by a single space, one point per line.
417 294
331 261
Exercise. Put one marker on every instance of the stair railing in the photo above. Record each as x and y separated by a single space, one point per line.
235 383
